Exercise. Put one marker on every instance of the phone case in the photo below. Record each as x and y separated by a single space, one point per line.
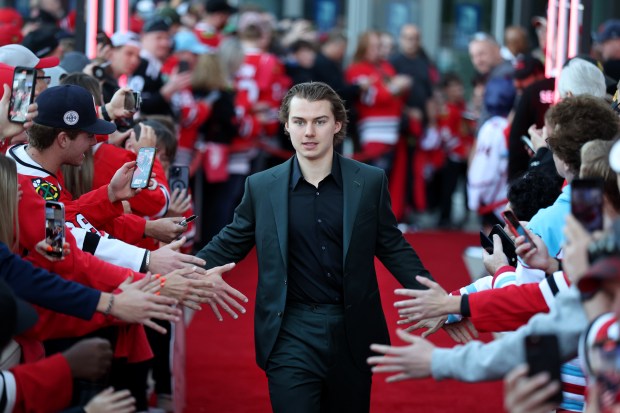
178 177
508 245
543 355
587 203
22 93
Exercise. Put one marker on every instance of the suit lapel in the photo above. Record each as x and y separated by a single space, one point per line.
353 184
279 201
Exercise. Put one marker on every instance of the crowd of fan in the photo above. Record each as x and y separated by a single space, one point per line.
210 92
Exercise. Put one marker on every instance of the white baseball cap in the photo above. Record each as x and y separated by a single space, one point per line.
18 55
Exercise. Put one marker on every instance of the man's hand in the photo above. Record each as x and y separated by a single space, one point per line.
164 229
118 138
109 401
89 359
180 202
576 240
495 261
432 325
147 139
225 296
119 188
9 129
177 81
424 303
524 394
537 257
409 362
116 106
167 259
461 332
137 304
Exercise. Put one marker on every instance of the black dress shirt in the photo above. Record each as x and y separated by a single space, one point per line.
315 225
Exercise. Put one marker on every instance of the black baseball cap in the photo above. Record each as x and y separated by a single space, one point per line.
71 107
214 6
527 65
16 315
41 41
608 31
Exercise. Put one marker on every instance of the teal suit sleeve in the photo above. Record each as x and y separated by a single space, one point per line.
237 239
392 249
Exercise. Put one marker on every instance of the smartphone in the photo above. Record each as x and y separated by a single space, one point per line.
528 142
586 202
508 245
486 243
144 167
55 227
543 355
178 177
515 226
183 66
133 101
188 220
22 93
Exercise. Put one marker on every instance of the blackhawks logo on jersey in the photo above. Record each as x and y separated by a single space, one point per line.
46 190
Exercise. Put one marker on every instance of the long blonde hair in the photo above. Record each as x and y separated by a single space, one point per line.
207 74
9 226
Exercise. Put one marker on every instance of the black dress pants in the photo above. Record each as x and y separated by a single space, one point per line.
311 369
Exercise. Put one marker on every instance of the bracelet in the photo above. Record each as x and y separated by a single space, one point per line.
109 307
105 114
146 261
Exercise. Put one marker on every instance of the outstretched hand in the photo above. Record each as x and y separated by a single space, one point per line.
423 304
224 295
412 361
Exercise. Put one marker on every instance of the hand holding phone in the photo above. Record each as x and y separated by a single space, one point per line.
515 226
528 142
144 167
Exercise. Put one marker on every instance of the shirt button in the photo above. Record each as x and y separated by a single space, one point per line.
323 247
285 282
279 313
329 275
317 193
319 220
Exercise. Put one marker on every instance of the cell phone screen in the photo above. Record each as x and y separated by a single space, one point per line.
515 226
183 66
543 355
133 101
55 227
22 93
587 203
144 166
528 142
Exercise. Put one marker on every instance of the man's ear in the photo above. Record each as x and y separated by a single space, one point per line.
338 127
63 139
286 128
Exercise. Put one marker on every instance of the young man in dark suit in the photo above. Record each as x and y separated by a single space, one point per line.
317 221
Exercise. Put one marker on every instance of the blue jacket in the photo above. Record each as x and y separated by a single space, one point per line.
45 289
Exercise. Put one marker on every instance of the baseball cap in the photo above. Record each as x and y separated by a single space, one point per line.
186 41
214 6
527 65
156 24
120 39
71 107
41 41
74 62
608 31
18 55
9 15
9 33
16 315
605 269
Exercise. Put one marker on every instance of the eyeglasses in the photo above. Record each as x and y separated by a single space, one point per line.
46 79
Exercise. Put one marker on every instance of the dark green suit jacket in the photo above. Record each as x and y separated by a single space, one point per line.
369 230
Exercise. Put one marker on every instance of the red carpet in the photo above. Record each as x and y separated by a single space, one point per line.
222 375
